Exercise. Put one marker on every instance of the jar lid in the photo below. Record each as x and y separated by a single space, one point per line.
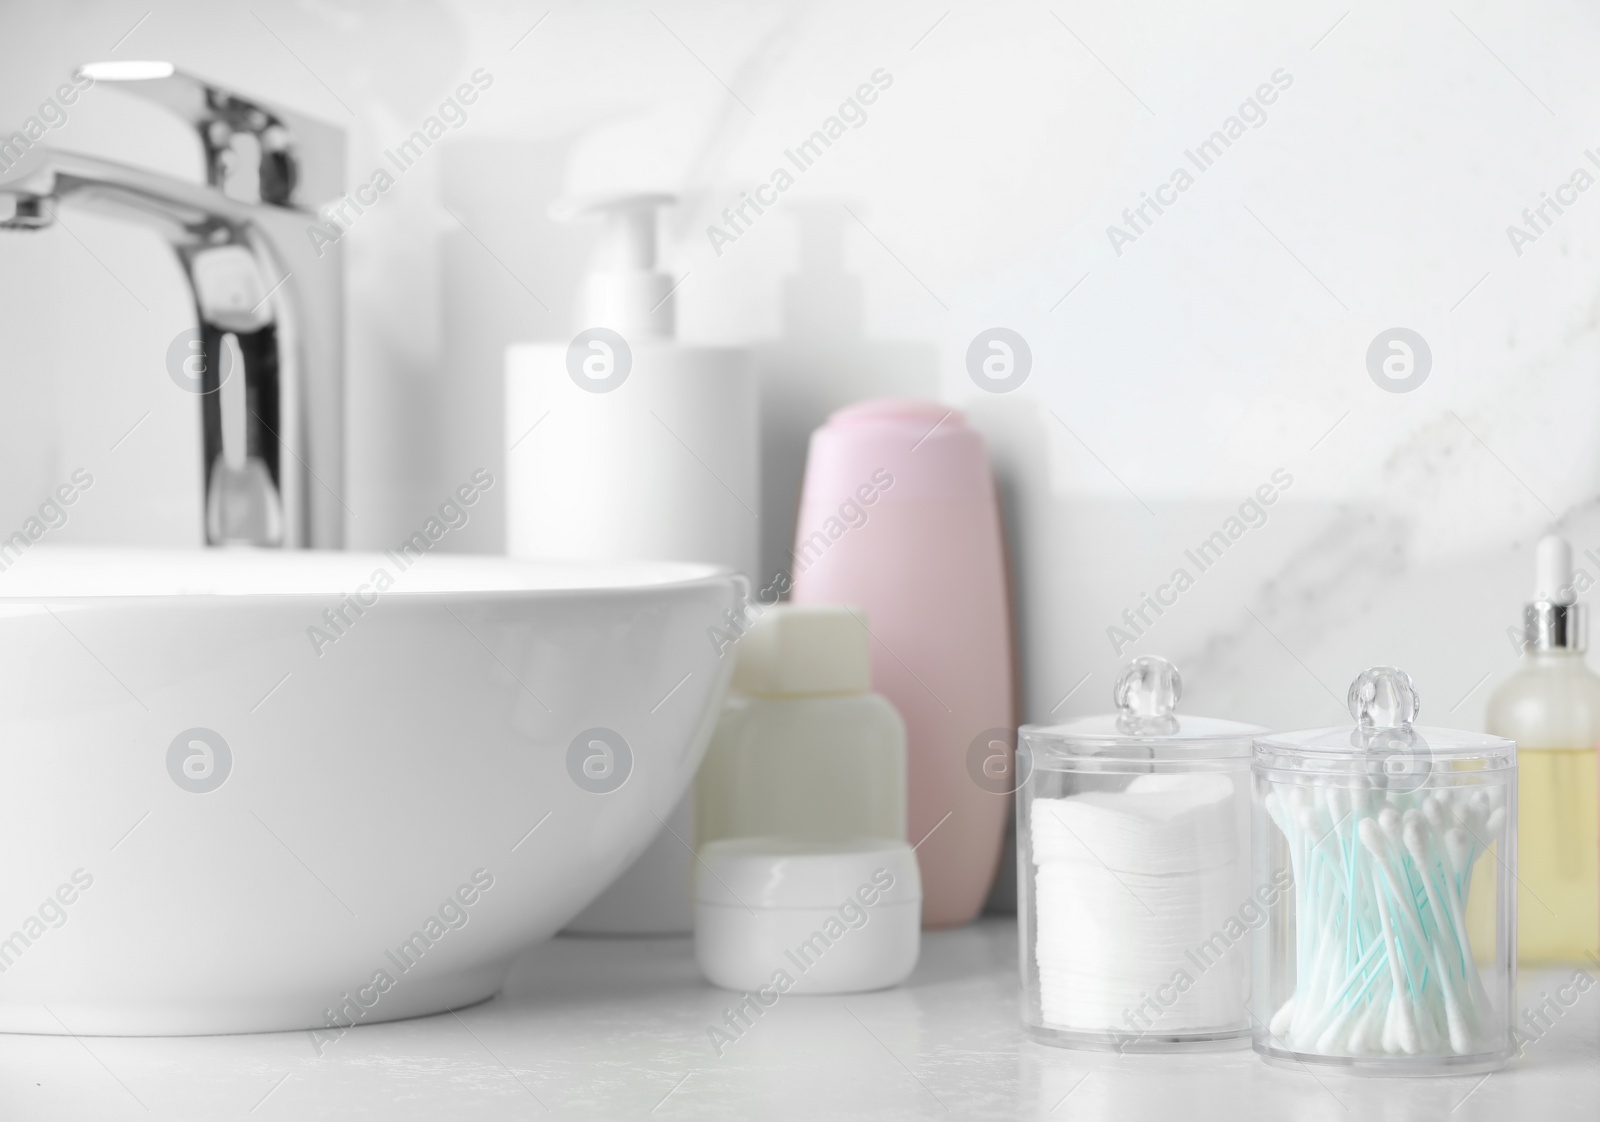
778 872
1384 740
1145 725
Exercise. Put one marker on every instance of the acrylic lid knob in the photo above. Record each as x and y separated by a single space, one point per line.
1384 697
1147 691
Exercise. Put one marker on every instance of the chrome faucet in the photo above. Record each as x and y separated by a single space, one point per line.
268 360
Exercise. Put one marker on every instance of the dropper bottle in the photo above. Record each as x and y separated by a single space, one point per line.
1551 708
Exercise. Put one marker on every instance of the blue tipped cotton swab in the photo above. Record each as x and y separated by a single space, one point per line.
1381 879
1404 1026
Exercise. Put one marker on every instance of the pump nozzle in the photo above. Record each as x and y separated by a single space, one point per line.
623 289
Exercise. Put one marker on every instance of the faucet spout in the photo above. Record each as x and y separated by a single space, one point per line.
266 363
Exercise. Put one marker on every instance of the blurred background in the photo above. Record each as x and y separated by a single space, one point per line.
1174 370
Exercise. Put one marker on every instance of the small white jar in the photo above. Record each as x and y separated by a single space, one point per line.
782 915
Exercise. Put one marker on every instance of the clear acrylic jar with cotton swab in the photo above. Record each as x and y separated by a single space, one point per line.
1388 830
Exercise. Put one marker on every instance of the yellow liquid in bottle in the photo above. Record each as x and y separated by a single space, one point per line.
1558 861
1558 855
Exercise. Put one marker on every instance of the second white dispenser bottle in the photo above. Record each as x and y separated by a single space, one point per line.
625 444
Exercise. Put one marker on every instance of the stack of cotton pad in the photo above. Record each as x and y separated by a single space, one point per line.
1133 887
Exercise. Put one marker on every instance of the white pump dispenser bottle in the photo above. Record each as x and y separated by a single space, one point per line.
626 444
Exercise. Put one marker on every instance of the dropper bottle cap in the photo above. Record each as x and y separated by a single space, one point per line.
623 289
1554 621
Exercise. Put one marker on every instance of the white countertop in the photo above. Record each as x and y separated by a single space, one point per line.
616 1028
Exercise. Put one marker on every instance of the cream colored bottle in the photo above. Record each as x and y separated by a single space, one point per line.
1551 708
804 749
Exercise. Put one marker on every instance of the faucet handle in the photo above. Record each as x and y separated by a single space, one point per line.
298 161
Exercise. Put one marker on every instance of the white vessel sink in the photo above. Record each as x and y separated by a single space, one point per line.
212 819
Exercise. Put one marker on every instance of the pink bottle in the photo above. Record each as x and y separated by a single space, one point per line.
898 518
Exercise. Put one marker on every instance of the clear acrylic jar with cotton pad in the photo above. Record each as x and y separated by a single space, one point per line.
1135 900
1388 831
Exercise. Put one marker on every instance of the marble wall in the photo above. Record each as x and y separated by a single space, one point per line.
1182 355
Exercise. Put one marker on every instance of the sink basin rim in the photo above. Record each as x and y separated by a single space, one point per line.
57 574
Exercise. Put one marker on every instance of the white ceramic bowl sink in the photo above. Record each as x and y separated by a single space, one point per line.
429 778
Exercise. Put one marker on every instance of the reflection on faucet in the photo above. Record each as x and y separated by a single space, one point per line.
270 313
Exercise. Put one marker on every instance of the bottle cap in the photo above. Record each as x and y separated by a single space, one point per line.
1554 621
905 449
797 650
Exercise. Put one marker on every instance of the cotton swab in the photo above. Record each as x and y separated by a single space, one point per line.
1385 965
1401 1032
